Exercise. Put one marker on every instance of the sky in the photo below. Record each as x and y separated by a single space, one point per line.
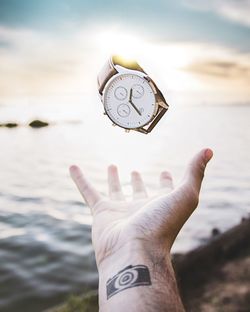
56 47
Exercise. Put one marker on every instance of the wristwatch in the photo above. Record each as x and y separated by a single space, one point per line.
130 97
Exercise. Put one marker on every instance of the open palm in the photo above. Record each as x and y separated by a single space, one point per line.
152 219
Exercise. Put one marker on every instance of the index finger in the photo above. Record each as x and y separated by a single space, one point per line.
89 193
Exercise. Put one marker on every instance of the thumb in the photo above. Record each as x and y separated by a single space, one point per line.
196 168
187 195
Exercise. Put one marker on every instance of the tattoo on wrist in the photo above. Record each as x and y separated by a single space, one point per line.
130 276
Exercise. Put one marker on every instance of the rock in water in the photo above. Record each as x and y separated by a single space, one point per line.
215 232
38 124
9 125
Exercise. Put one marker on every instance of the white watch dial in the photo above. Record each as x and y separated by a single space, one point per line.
129 101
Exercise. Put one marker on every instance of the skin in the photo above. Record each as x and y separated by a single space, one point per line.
141 231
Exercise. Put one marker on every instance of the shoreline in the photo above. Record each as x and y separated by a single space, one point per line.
212 277
216 276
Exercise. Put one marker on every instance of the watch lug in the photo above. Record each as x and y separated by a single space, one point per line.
164 105
123 70
151 83
120 69
142 130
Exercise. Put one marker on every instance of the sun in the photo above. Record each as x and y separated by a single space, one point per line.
165 60
114 41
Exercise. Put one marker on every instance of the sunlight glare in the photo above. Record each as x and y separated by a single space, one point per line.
166 60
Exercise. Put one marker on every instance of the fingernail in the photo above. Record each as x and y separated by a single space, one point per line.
73 169
208 154
135 173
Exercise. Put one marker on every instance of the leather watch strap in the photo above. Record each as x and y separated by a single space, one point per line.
109 70
130 64
105 74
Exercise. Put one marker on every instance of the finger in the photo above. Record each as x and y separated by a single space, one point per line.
115 191
196 168
181 203
139 190
187 195
166 180
89 193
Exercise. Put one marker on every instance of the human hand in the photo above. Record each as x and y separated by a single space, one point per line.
142 232
154 221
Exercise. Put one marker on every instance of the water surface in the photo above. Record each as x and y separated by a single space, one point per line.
45 241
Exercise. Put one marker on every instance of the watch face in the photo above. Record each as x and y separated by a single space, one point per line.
129 101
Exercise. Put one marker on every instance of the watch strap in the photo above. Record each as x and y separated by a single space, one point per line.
105 74
127 63
109 70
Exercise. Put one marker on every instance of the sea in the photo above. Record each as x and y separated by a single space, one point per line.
46 253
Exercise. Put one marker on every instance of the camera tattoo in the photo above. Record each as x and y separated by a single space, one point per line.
130 276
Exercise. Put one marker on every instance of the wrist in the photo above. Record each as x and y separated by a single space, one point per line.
134 250
156 261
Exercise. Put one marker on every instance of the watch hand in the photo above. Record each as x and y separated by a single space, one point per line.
137 110
130 96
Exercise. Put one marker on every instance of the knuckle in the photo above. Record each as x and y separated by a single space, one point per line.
84 187
115 188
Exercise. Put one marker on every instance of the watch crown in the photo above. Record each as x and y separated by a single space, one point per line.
127 130
104 113
113 124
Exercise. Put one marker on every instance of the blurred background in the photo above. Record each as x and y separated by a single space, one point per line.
198 53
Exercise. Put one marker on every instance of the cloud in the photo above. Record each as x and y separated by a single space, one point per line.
219 63
37 63
34 62
235 10
222 69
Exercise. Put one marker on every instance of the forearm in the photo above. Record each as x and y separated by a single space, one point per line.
152 289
